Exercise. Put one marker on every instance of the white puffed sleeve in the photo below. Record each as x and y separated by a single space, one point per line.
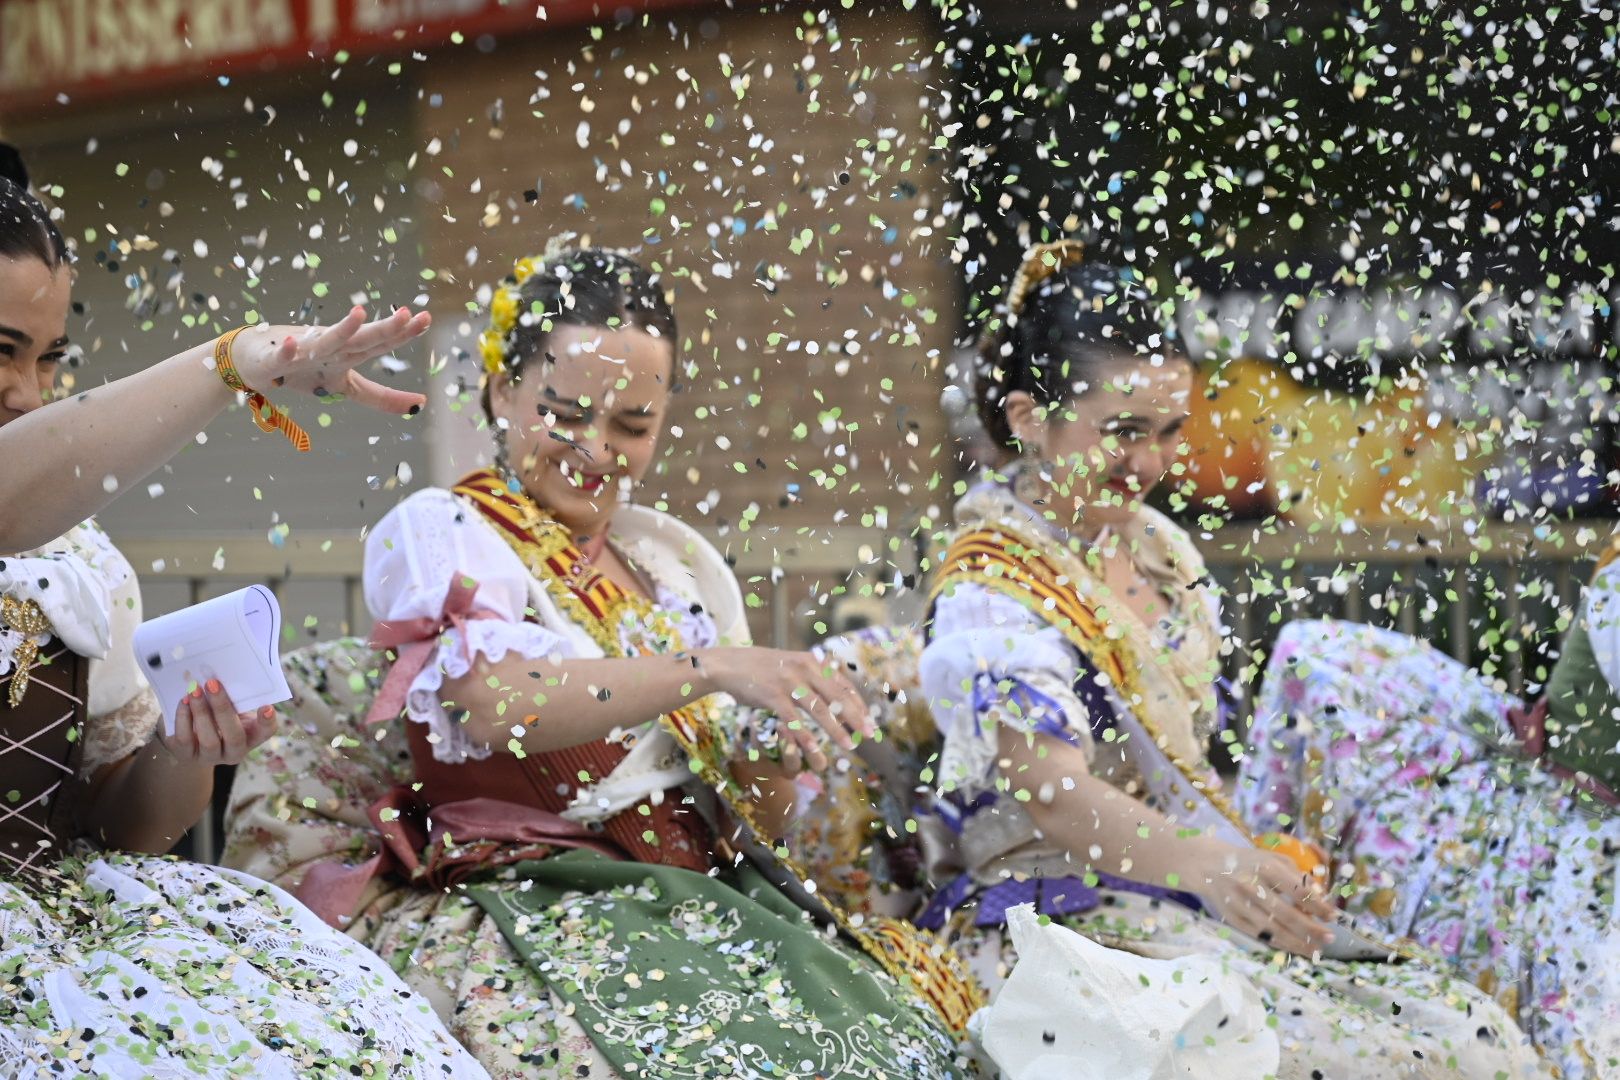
413 556
990 661
72 597
1603 621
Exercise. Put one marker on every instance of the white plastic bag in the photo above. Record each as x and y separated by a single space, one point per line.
1076 1010
1594 997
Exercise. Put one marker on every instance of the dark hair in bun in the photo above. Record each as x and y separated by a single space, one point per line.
582 287
26 228
1063 318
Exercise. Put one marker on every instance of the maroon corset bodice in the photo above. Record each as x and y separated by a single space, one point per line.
671 833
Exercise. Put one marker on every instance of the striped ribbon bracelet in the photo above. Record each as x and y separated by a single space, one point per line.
269 417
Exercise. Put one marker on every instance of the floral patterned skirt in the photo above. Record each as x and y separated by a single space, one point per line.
1389 754
148 966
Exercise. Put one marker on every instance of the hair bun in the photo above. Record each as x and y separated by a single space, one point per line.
12 167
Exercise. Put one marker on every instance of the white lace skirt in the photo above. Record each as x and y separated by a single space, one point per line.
146 966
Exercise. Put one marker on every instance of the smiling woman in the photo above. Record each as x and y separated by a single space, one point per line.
1073 646
577 687
35 281
578 415
125 963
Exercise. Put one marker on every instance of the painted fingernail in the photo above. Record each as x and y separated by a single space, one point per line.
212 686
413 410
196 695
268 712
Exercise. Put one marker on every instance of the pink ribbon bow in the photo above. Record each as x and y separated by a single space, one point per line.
413 846
414 641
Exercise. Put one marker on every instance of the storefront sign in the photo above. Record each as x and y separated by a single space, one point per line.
52 50
1398 324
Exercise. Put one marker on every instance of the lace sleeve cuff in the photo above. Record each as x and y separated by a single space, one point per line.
494 639
120 732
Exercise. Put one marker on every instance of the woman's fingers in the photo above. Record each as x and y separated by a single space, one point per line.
203 726
833 703
384 335
209 731
808 742
810 703
330 341
847 704
258 726
1289 926
1317 904
1306 935
794 730
227 724
1257 918
374 395
1279 873
286 352
792 757
184 740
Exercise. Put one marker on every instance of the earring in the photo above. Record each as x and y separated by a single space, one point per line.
503 460
1026 485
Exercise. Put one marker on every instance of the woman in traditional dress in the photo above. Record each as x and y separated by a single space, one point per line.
1481 826
572 670
122 964
1072 656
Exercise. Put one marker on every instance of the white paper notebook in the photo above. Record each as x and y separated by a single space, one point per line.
233 638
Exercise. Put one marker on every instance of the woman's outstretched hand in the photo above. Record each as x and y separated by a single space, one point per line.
811 697
209 731
1264 895
321 360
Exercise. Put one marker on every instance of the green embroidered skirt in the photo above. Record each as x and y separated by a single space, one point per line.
675 974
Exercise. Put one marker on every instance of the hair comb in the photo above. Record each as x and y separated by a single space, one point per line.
1040 263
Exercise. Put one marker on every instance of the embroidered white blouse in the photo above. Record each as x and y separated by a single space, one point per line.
434 539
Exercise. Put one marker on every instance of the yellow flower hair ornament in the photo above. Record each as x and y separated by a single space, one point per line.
505 308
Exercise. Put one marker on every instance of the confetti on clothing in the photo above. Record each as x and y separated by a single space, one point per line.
149 966
574 965
1332 1018
1387 753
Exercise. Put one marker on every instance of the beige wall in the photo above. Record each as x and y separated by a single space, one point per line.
143 186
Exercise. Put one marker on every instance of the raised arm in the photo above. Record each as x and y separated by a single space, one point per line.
59 458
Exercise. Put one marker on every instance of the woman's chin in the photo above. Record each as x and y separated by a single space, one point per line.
574 506
1113 509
